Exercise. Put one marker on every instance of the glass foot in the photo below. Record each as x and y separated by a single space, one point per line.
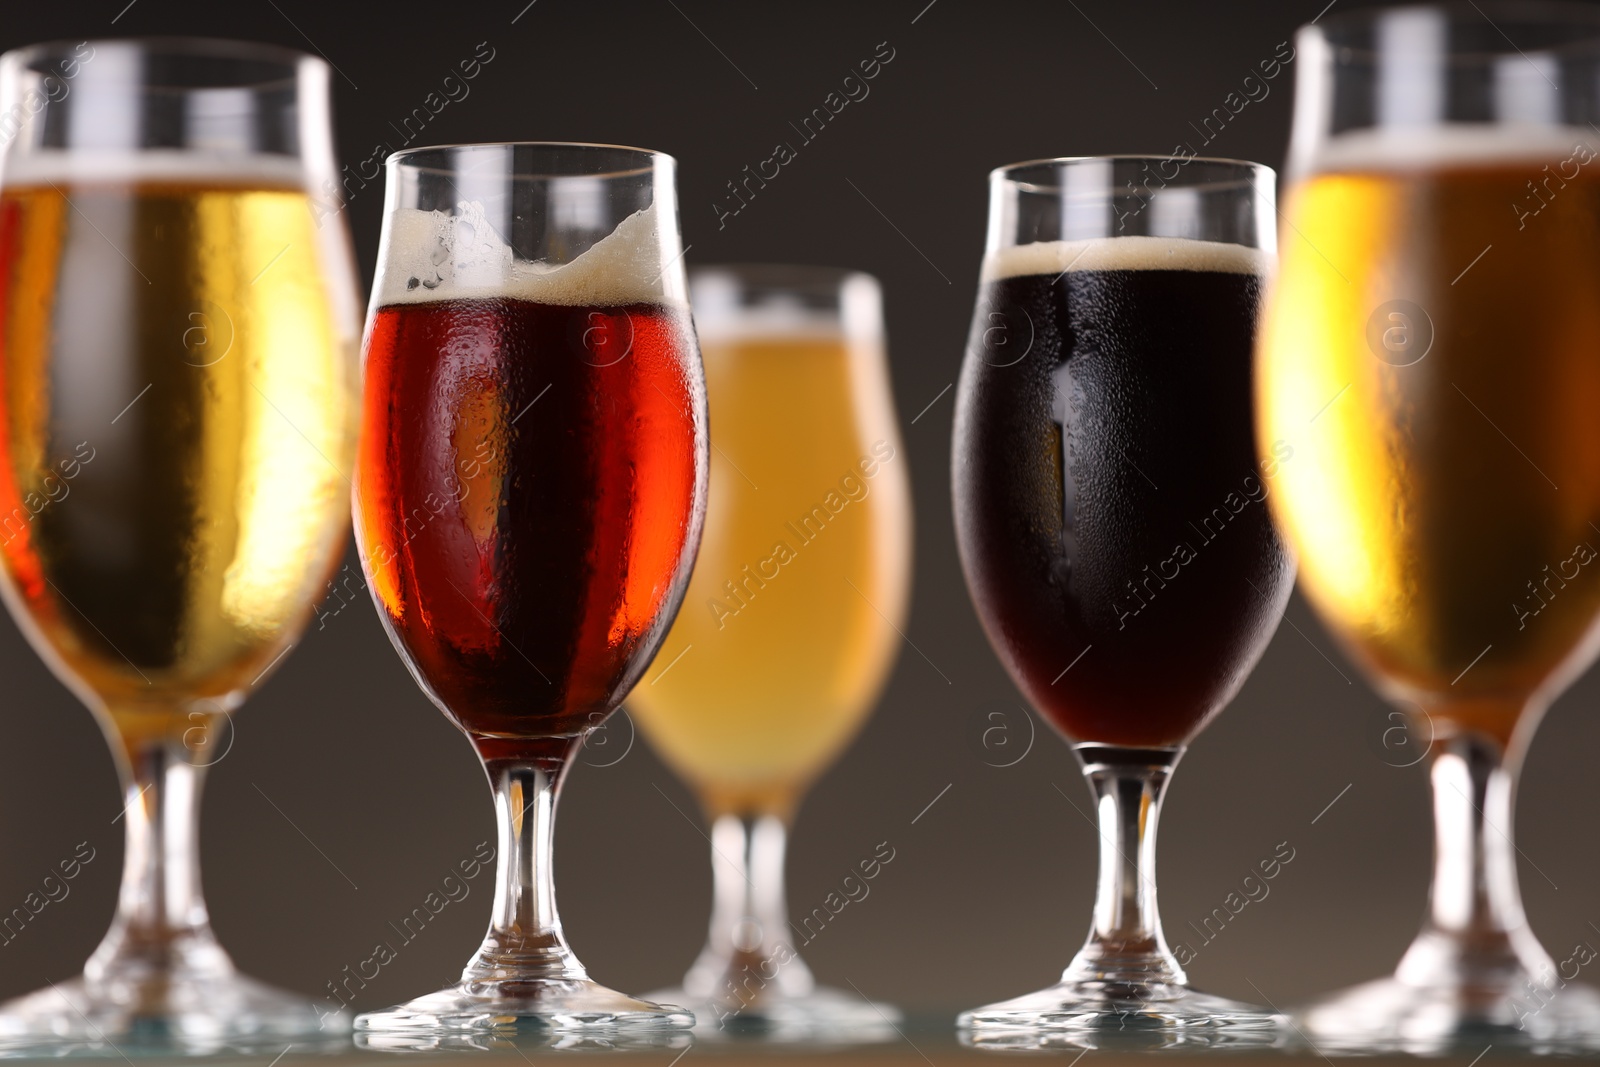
548 1004
1118 1006
197 1014
1190 1039
1391 1015
830 1014
526 1041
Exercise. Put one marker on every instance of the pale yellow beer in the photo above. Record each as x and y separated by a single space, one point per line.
790 623
178 385
1431 354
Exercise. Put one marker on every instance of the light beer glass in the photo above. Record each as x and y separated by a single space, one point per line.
1431 350
178 324
789 627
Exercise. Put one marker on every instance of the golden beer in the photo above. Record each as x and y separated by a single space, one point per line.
789 626
1432 355
178 390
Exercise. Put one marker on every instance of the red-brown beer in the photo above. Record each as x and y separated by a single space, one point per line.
529 497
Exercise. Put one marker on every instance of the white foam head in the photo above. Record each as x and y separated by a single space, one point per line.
430 255
1460 144
89 166
719 315
780 322
1124 253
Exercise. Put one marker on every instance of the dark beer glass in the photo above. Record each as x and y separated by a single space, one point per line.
529 497
1112 518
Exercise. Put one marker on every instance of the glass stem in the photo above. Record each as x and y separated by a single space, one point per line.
1125 944
748 957
525 942
1476 933
161 926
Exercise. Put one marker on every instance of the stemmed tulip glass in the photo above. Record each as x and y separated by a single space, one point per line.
178 326
530 492
1111 519
791 623
1432 351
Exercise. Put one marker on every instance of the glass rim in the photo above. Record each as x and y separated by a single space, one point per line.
176 45
785 300
1010 172
1490 12
649 157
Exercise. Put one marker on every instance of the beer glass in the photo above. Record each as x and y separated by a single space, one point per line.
177 367
529 495
1111 517
1431 350
789 627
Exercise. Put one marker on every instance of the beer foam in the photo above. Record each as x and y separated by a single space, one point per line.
720 316
1124 253
105 166
430 256
1390 148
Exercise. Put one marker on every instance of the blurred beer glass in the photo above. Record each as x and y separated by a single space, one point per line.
1431 350
178 323
791 621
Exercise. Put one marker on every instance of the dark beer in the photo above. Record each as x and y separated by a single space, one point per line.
1111 515
528 501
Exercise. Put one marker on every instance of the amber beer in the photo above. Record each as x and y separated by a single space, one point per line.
1431 354
1110 511
527 489
172 477
788 628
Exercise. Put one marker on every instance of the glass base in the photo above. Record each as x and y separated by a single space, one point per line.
1118 1006
1190 1039
1391 1015
527 1041
194 1014
565 1004
829 1015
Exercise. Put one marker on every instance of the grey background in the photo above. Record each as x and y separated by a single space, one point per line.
990 889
